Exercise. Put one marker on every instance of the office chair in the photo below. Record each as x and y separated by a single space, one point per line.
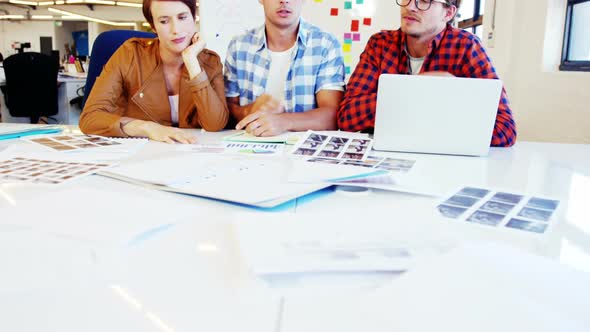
31 85
104 46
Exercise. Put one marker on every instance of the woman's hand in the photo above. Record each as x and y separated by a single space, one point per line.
189 55
157 132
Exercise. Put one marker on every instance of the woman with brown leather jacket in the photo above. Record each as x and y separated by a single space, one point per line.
151 86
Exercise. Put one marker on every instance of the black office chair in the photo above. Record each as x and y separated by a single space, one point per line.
31 85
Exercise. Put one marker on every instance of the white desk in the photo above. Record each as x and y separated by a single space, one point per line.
66 91
187 274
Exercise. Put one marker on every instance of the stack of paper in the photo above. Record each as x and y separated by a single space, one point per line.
236 179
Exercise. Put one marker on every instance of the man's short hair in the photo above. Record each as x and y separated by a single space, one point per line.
147 9
456 3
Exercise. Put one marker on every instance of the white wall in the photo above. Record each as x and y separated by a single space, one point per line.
548 105
23 31
63 35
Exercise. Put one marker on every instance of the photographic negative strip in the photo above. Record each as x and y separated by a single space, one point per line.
463 201
356 149
506 198
316 137
473 192
72 142
527 226
304 152
486 218
497 207
328 154
339 140
311 144
449 211
535 214
541 203
323 160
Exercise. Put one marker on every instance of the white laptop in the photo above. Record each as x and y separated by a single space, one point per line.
433 114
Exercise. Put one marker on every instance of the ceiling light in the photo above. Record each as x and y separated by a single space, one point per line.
92 19
101 2
20 2
129 4
8 17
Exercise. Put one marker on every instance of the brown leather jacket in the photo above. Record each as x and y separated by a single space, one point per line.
132 85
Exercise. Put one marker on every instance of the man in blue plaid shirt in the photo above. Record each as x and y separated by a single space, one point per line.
286 75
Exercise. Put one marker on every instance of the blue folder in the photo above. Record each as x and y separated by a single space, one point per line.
28 132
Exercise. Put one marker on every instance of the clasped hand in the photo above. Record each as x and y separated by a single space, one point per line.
266 117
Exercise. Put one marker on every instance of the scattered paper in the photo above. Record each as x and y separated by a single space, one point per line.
43 171
500 209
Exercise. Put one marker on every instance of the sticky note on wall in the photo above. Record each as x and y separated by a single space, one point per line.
367 21
334 12
354 26
347 4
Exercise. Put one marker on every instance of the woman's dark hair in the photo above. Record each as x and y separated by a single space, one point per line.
147 9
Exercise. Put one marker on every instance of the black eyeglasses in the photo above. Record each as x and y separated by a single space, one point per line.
420 4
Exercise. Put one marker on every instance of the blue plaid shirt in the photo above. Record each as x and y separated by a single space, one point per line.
318 64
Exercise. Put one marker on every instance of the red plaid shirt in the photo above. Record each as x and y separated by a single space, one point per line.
453 50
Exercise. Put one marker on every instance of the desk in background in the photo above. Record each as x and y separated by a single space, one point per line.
82 267
66 91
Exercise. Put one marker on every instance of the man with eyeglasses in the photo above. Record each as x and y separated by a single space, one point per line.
426 44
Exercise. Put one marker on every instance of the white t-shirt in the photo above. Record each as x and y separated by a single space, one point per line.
174 109
280 63
415 65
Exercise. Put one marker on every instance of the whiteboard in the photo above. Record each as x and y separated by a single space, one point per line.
223 19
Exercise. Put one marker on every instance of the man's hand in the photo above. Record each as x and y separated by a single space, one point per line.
269 125
265 118
157 132
189 55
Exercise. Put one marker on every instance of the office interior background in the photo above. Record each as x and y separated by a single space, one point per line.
547 80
